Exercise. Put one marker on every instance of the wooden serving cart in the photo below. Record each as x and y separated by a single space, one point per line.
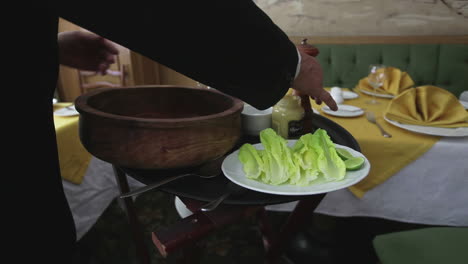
195 191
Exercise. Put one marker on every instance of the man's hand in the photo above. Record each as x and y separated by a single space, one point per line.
310 81
86 51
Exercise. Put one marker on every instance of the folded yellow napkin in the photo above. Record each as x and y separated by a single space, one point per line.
397 81
428 106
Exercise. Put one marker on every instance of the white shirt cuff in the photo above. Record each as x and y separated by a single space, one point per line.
298 67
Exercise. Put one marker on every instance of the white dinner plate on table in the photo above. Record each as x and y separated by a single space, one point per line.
464 103
233 170
344 111
347 95
429 130
67 111
382 95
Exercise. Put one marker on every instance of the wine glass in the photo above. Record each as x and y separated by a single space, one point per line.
376 78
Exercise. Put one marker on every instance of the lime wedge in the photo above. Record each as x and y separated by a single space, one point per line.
354 163
343 153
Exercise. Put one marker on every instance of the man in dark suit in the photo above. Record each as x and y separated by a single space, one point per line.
230 45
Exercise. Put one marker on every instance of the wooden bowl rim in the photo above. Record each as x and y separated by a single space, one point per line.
82 106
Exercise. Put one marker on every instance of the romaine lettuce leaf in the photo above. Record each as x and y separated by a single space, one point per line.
251 160
329 163
305 157
278 156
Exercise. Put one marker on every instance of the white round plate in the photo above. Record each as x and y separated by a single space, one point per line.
344 111
233 170
349 95
71 111
464 103
382 95
434 131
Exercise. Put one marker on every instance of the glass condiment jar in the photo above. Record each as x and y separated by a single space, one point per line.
287 117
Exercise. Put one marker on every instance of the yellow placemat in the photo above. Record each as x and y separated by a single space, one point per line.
387 156
74 158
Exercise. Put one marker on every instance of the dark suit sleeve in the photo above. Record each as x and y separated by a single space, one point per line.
230 45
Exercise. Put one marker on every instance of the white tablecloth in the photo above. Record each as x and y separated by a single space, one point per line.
91 198
432 190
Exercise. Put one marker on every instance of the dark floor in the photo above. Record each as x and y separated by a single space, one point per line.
109 241
328 240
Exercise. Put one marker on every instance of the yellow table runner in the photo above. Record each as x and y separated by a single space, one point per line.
73 157
386 155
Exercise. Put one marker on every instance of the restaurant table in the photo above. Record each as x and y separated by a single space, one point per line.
429 190
73 157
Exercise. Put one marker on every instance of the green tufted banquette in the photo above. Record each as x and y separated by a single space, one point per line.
442 63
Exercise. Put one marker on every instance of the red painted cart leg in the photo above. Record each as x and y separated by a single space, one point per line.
136 228
299 217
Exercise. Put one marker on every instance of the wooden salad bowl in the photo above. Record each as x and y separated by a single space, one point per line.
158 127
